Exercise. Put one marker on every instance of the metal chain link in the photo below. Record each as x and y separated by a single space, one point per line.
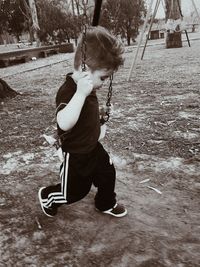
109 95
106 116
84 45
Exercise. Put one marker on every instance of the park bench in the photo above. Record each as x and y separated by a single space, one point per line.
4 62
7 61
49 52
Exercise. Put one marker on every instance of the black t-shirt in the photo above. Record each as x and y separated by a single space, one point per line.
83 137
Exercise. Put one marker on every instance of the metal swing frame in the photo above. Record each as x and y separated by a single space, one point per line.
143 31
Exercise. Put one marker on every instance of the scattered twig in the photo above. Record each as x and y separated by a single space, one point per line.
38 223
160 123
170 122
50 139
144 181
122 182
194 151
193 143
156 190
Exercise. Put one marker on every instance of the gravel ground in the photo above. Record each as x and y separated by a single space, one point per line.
153 137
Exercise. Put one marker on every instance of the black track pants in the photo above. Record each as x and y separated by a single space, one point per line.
78 172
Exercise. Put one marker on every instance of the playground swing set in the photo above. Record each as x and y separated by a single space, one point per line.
171 26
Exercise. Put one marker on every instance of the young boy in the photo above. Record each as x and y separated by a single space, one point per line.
85 160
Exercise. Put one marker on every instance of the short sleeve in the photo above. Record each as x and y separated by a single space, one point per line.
65 93
61 106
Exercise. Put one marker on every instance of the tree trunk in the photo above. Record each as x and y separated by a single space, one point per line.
73 10
68 38
128 34
34 18
128 38
173 38
6 91
77 7
30 30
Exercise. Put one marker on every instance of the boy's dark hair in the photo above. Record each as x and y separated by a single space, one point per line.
104 51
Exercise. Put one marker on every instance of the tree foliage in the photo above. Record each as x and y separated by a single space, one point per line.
56 25
123 17
11 17
59 20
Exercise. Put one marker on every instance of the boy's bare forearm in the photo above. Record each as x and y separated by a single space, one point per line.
68 116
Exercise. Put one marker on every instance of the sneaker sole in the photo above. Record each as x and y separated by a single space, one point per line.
112 214
40 200
116 215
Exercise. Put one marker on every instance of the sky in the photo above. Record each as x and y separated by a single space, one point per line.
187 7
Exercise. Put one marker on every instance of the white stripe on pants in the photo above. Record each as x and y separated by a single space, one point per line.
59 197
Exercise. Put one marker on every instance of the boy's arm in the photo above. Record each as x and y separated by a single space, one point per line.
68 116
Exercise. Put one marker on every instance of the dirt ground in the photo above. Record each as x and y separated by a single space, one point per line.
154 139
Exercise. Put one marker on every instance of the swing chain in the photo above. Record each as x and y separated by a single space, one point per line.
109 95
105 117
83 44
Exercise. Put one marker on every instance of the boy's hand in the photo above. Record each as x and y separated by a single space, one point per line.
85 85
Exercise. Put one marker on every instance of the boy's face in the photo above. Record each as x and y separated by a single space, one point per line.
99 76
